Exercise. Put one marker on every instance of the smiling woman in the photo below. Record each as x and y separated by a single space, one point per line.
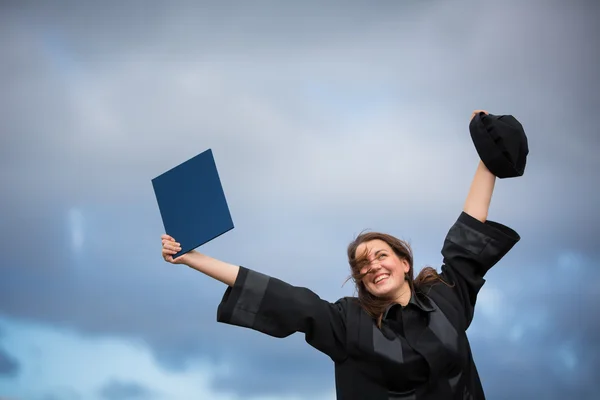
401 337
382 269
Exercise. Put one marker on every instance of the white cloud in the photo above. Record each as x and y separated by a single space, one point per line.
60 361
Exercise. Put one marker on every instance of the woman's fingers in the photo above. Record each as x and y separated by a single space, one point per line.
168 243
169 248
172 246
477 112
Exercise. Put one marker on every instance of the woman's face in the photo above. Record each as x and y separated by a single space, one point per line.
386 276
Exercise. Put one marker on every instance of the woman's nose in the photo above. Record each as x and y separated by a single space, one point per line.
375 265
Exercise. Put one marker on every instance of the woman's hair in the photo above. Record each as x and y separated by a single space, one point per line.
373 305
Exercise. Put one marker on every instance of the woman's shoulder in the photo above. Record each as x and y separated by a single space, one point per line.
348 302
350 306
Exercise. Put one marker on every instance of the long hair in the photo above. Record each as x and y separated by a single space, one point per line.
373 305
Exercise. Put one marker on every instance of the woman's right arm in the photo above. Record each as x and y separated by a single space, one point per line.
216 269
269 305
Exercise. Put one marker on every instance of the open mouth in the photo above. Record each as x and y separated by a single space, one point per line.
381 279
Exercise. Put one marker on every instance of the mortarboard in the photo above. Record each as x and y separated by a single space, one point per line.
192 202
501 143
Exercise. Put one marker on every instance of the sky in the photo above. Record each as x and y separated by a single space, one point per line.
325 119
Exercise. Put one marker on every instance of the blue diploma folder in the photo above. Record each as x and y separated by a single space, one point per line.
192 202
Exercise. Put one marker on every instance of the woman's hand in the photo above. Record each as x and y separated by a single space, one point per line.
171 247
477 112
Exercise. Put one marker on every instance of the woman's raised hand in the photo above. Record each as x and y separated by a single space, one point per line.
171 247
216 269
477 112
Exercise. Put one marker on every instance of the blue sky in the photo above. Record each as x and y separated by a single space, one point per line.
325 120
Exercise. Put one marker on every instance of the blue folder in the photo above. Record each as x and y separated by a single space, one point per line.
192 202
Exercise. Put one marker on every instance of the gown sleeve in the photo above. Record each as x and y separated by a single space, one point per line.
276 308
470 249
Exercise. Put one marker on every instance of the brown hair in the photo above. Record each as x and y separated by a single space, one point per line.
373 305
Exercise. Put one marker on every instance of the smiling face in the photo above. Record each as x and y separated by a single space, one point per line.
384 271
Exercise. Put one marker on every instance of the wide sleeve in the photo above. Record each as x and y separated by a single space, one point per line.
470 249
278 309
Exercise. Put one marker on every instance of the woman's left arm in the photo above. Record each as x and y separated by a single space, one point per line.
474 244
479 198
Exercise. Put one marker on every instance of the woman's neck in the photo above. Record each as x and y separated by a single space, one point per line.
404 294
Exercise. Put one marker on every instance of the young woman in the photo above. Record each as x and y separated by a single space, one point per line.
400 338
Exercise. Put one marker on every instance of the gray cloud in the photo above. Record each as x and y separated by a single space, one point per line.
324 123
116 114
540 330
9 366
119 390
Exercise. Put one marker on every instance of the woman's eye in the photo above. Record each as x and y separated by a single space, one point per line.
382 256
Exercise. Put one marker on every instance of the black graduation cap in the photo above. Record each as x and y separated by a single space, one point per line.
501 143
192 202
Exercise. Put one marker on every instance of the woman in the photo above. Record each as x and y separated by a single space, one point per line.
399 338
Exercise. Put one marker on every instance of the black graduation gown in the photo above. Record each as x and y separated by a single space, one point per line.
421 352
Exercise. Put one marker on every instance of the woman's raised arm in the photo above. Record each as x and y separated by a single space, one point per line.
216 269
269 305
479 198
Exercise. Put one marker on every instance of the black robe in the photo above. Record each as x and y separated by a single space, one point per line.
421 351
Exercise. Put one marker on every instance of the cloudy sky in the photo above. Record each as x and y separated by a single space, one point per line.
325 118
